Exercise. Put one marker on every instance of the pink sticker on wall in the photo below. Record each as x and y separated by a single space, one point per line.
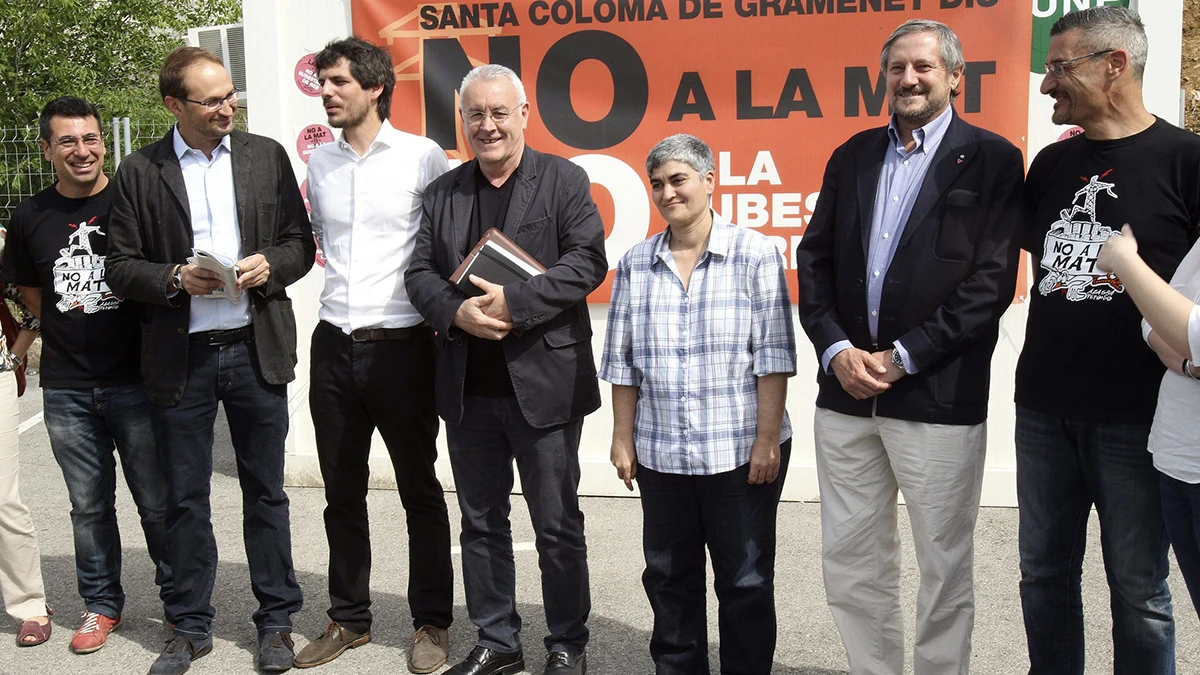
312 137
306 75
1070 133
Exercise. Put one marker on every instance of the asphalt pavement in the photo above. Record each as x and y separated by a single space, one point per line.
808 642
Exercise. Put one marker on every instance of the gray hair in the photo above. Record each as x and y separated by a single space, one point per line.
1109 28
948 44
681 148
489 72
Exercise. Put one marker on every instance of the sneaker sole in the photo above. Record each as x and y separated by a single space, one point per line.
366 637
91 650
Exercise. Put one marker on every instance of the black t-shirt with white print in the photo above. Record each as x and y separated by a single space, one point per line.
90 338
1084 356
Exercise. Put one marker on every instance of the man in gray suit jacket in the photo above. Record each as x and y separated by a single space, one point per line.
208 187
515 373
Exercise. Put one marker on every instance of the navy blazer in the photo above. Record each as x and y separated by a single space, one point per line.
150 232
952 277
549 352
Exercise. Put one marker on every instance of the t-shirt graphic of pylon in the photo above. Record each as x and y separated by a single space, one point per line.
1072 245
79 273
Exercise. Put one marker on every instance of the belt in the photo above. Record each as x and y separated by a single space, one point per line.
374 334
213 338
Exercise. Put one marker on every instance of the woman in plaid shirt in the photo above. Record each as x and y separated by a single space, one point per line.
699 347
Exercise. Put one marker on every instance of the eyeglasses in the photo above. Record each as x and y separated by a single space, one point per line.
215 104
91 141
476 117
1059 68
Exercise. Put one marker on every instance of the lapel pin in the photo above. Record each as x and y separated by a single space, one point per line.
960 158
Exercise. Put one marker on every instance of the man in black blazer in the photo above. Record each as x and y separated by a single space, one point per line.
905 270
515 373
208 187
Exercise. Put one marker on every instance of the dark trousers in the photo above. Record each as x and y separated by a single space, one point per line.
1065 466
1181 511
358 387
492 434
680 516
258 424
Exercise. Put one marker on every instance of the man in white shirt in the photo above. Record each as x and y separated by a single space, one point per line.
207 186
373 355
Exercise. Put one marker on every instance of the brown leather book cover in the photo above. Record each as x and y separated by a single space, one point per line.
499 239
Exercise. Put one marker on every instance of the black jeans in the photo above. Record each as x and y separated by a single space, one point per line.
680 515
258 425
493 432
358 387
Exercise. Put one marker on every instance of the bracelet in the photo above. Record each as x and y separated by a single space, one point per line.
1187 369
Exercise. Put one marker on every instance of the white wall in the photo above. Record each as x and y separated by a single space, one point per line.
280 32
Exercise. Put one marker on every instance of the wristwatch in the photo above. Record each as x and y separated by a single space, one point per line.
177 278
898 359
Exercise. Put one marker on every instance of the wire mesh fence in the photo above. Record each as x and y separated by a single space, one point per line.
24 170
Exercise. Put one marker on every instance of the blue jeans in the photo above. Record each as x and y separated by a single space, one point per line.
680 516
1181 511
492 434
258 424
1064 467
84 426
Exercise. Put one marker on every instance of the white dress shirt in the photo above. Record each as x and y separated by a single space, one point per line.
214 227
366 211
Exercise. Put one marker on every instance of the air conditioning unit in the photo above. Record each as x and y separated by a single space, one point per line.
228 43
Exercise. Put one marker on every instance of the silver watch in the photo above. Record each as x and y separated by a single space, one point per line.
898 359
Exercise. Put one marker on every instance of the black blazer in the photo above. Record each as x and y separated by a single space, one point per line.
552 216
952 277
151 231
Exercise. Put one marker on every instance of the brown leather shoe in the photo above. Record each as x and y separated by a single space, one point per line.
431 648
329 646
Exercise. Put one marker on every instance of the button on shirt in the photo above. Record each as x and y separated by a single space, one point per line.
900 182
366 211
215 228
696 354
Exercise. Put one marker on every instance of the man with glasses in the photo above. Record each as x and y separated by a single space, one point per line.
93 398
373 355
1086 381
206 186
515 373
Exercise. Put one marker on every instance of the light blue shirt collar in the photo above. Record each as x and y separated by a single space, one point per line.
928 136
181 146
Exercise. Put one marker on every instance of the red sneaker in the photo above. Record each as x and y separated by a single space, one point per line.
93 633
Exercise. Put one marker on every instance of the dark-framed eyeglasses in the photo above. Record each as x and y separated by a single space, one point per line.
215 104
1060 68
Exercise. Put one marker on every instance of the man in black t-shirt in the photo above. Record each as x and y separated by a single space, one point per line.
1086 381
94 399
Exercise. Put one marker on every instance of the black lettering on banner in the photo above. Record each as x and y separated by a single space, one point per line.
691 88
973 83
858 84
689 9
445 64
951 4
631 89
746 110
797 82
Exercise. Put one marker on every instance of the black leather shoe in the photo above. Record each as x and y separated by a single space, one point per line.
483 661
178 655
275 651
565 663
